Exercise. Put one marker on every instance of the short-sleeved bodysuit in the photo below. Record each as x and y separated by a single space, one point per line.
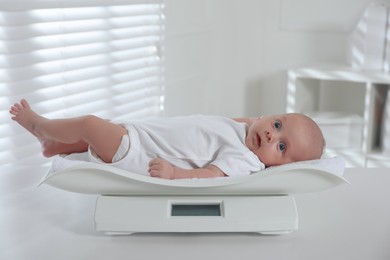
188 142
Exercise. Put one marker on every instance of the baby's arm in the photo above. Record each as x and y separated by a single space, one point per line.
163 169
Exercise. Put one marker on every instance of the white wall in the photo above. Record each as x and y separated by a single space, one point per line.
230 57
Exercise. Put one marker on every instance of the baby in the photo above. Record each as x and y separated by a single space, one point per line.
179 147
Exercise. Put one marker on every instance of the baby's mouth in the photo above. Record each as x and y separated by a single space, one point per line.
258 140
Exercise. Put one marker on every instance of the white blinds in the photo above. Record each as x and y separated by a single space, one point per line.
70 58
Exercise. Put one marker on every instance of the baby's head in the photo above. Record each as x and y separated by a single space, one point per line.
287 138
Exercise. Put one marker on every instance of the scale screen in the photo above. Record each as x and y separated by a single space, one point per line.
196 210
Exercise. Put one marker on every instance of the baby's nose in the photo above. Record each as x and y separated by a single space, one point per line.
270 136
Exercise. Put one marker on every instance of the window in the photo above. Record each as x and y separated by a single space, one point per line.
70 58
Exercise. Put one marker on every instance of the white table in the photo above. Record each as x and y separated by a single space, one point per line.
346 222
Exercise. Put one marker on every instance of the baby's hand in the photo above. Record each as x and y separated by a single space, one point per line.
161 168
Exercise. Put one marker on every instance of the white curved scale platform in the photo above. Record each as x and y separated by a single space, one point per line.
91 178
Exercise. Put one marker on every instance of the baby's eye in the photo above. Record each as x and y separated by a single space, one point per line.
281 147
277 124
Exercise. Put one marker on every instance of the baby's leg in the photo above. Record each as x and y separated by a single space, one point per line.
103 136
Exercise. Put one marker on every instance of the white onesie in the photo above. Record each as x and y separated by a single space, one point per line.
188 142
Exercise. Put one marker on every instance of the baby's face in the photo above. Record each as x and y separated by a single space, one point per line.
284 139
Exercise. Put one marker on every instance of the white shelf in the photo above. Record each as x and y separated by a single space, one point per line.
340 72
355 90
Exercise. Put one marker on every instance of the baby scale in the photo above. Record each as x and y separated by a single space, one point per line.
262 202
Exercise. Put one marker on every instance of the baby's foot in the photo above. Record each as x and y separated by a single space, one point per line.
27 118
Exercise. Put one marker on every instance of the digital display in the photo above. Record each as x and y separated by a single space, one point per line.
196 210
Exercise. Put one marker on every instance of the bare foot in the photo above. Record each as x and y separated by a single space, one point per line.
27 118
23 114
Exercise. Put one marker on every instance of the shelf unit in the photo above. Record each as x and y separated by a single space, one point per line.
344 90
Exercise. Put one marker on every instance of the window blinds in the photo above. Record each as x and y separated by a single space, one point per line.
70 58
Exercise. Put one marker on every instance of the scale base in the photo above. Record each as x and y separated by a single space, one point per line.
119 215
